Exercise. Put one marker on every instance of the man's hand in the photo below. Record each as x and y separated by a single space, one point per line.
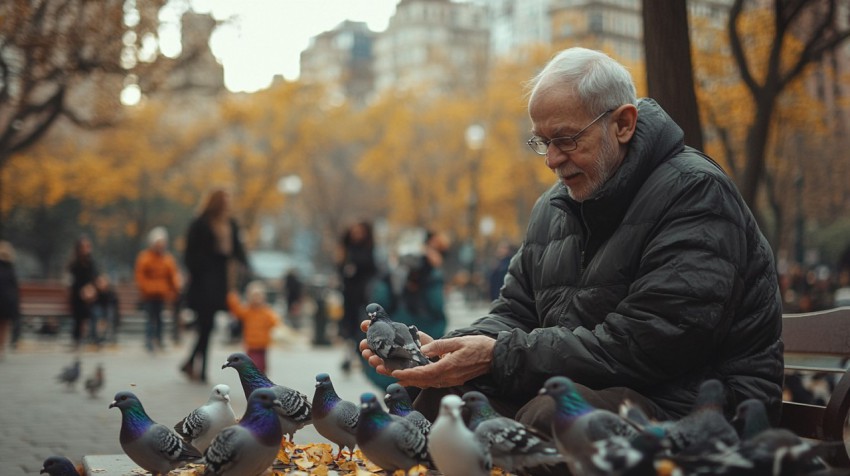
373 358
461 360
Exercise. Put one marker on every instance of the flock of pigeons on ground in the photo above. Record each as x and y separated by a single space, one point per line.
468 438
71 374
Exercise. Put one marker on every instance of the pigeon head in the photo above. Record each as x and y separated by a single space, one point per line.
567 399
263 398
711 395
58 466
375 311
238 361
479 408
450 406
368 401
397 399
220 392
125 401
322 380
750 418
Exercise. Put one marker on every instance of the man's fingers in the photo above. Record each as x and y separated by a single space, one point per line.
364 325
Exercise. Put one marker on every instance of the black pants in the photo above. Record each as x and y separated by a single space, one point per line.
539 411
204 326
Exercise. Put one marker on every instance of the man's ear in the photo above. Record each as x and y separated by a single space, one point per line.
625 121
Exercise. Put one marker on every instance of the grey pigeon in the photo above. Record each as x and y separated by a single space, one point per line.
94 383
59 466
399 404
333 417
205 422
249 448
453 447
294 411
392 341
774 451
391 443
513 446
705 429
70 374
154 447
576 425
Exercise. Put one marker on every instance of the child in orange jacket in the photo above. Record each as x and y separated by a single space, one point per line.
258 320
159 281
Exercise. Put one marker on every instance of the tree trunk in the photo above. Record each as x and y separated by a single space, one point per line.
669 72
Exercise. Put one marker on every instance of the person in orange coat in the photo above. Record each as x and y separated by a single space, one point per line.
159 281
258 320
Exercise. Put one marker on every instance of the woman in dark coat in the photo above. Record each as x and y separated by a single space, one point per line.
213 252
83 292
356 268
9 293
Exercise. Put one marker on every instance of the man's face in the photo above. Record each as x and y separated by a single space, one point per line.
555 112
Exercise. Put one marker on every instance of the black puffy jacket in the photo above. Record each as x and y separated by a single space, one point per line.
658 282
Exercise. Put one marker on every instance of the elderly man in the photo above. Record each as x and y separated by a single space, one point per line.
642 272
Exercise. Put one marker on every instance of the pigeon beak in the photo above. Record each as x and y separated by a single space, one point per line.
227 398
113 404
226 365
542 391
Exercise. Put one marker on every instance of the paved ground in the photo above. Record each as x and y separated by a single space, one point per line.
40 417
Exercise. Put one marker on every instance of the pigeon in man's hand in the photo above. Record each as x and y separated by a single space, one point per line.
454 448
94 383
294 410
70 374
249 448
394 342
154 447
390 442
333 417
206 421
59 466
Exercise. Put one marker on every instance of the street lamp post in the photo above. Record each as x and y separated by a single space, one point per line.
475 135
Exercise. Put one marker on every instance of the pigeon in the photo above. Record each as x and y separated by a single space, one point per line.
94 383
59 466
391 443
294 411
513 446
705 429
249 448
333 417
453 447
205 422
772 451
576 425
393 341
399 404
154 447
70 374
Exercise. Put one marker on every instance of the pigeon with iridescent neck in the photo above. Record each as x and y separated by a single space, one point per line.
389 442
249 448
513 446
154 447
399 404
206 421
576 425
59 466
333 417
294 411
392 341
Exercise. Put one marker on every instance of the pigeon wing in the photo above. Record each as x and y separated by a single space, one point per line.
168 444
225 449
194 425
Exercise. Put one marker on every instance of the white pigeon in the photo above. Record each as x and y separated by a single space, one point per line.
205 422
453 447
249 448
154 447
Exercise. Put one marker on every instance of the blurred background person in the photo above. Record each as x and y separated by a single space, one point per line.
258 319
293 290
159 281
83 272
105 312
504 252
356 266
213 257
10 296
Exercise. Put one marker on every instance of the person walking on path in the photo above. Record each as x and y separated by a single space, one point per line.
356 269
10 295
258 320
213 255
159 281
83 273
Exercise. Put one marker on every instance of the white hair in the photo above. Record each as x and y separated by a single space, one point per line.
600 82
156 234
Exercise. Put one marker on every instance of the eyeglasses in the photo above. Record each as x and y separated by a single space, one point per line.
564 144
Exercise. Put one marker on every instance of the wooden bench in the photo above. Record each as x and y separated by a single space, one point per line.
49 300
813 341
